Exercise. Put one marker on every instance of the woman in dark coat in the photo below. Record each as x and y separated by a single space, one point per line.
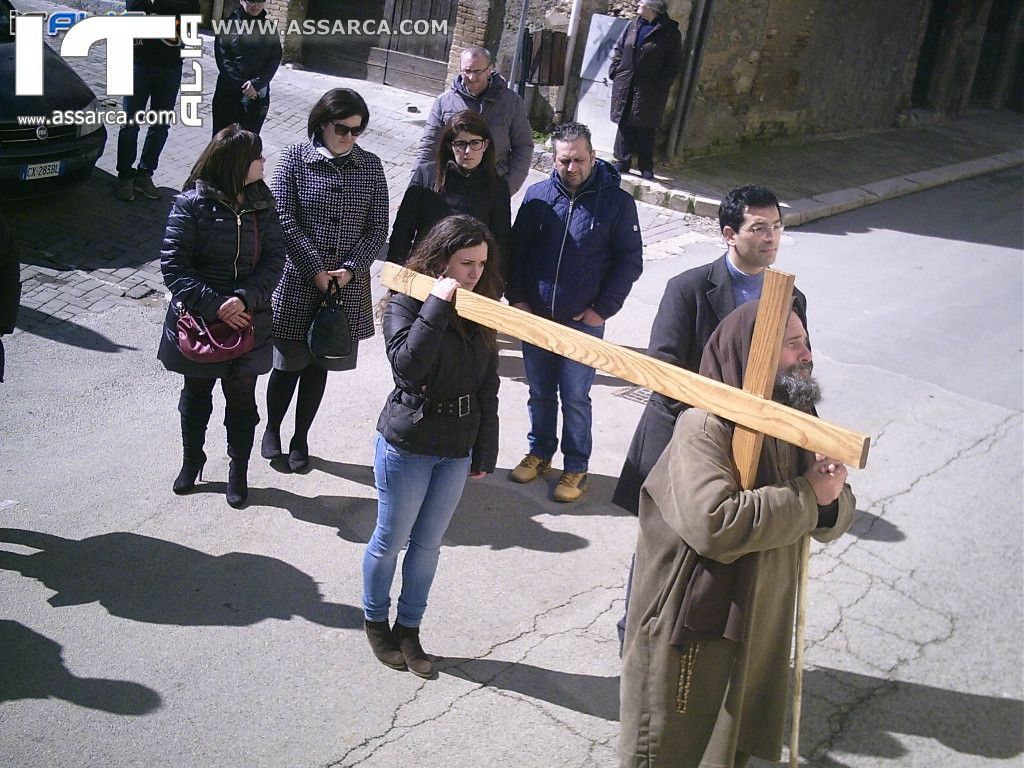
463 179
222 256
645 62
438 427
333 200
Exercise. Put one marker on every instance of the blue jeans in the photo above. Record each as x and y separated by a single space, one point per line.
551 376
159 86
416 497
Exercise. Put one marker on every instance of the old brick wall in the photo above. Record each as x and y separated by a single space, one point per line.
775 68
475 23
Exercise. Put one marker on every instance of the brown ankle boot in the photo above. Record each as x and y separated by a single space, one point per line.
416 659
383 644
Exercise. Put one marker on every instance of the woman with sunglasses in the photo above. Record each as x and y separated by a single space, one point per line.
462 179
438 427
333 201
222 256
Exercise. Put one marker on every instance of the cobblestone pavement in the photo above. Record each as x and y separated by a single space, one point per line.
85 251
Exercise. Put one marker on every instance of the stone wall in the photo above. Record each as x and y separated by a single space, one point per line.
779 68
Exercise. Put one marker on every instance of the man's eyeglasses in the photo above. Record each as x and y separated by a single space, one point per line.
474 144
474 72
344 130
759 230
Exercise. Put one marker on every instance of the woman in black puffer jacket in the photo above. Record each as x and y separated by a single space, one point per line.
438 427
222 256
463 179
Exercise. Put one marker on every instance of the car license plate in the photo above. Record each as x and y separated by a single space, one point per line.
42 170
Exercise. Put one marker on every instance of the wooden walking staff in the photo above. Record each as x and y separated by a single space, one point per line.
751 409
759 379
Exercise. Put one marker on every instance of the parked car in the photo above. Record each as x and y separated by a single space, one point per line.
41 159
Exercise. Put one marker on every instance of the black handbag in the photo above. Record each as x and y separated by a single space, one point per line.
329 334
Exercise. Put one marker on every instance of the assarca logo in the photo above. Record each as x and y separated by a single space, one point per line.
120 34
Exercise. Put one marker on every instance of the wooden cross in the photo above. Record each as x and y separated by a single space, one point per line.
751 409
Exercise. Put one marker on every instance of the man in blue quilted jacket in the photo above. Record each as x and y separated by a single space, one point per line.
575 254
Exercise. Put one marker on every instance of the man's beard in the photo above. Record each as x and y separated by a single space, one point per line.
796 387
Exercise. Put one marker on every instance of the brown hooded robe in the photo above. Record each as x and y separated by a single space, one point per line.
710 618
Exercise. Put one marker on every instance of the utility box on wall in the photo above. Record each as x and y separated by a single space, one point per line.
594 104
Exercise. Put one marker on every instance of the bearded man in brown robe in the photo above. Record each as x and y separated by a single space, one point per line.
710 616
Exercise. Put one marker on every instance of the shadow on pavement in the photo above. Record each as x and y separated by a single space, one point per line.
970 724
32 667
145 579
89 227
493 512
588 694
871 527
915 214
66 332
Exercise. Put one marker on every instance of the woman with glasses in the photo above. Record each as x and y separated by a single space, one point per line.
462 179
222 256
438 427
333 201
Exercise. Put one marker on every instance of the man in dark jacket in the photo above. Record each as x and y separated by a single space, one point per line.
645 62
247 59
157 75
693 305
575 254
480 88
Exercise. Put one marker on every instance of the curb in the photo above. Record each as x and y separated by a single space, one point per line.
796 212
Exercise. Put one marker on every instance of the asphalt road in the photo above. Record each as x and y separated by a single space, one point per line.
140 628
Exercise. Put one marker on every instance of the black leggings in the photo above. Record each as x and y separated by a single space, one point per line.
239 391
311 382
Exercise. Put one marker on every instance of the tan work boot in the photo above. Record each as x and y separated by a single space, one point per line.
144 184
530 468
570 486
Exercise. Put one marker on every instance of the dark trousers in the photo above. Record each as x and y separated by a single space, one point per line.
158 87
240 413
631 141
228 108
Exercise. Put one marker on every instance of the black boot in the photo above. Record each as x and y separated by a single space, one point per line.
416 659
195 415
241 428
238 483
383 644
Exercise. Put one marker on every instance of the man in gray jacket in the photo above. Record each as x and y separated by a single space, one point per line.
480 88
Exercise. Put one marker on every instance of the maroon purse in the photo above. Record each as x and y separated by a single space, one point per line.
215 342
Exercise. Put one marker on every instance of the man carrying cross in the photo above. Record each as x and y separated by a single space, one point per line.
710 624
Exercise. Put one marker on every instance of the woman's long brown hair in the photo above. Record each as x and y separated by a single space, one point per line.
451 234
225 162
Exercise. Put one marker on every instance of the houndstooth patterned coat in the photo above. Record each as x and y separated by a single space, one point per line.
333 216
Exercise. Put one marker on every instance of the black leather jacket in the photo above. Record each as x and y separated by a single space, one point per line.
240 57
439 366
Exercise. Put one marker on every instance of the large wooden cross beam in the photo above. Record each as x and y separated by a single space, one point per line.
753 410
